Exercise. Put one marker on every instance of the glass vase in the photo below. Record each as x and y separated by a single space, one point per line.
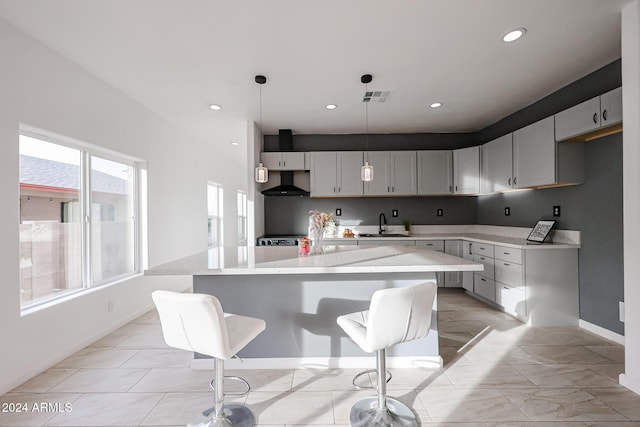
317 236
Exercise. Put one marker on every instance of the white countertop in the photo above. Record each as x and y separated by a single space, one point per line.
515 237
513 242
258 260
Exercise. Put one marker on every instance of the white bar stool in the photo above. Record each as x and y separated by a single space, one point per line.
394 316
196 322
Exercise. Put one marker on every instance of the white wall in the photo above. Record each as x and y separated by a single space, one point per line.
631 192
42 89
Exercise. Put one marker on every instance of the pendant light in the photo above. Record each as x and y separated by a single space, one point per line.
366 172
262 173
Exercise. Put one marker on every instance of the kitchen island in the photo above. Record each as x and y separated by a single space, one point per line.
300 297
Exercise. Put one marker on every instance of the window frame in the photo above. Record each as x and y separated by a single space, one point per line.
85 200
219 218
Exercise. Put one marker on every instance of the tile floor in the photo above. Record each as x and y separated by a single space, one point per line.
498 373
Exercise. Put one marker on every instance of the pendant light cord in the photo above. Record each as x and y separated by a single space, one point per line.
366 118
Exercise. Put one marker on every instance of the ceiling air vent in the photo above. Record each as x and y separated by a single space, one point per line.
376 96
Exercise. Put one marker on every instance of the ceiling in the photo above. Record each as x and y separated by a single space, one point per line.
178 56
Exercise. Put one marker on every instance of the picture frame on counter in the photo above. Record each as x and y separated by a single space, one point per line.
541 231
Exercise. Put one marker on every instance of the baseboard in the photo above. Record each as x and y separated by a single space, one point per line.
600 331
629 383
431 362
10 384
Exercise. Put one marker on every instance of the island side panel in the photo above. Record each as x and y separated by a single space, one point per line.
301 311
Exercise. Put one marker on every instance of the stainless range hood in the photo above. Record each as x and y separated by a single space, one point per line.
286 187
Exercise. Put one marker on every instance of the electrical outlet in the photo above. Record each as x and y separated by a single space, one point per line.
621 310
338 212
556 211
394 213
440 212
507 211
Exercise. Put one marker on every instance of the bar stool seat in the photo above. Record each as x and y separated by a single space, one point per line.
394 316
196 322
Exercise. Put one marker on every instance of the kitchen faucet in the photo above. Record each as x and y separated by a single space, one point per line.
380 219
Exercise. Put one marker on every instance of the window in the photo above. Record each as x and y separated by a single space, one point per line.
60 184
214 213
242 216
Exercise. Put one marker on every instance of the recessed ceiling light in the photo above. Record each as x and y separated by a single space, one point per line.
215 107
514 35
331 106
235 143
436 105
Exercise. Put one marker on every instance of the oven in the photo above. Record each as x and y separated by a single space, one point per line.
278 240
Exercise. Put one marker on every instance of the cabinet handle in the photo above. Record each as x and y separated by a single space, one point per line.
514 181
470 249
484 280
393 189
279 163
482 258
505 288
339 190
284 163
509 182
604 114
334 189
507 265
506 253
456 188
595 117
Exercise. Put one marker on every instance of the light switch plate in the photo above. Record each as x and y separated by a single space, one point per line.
556 211
440 212
507 211
338 212
394 213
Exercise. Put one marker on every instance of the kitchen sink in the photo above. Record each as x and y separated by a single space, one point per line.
382 235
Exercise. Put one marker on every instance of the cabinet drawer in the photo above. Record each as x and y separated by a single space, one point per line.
386 242
488 265
436 245
482 249
508 273
484 287
508 254
511 299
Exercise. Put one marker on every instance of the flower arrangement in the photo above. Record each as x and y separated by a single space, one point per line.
318 221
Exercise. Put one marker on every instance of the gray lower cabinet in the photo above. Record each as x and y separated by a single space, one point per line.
467 276
387 242
538 286
453 279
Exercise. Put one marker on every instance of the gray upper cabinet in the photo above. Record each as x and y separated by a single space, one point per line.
394 173
599 112
611 107
497 164
336 174
466 171
291 160
538 160
534 156
349 168
435 172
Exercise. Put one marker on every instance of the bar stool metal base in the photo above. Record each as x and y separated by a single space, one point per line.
365 413
235 415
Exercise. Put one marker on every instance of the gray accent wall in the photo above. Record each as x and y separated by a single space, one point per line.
289 215
594 208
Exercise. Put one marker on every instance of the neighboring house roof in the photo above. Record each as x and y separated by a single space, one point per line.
49 173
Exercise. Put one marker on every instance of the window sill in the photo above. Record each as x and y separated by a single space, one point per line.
44 305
